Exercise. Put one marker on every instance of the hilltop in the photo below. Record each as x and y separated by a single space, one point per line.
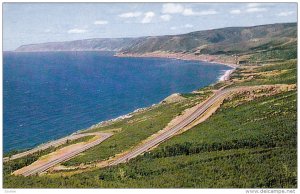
96 44
230 40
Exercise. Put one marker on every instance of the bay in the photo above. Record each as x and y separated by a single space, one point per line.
49 95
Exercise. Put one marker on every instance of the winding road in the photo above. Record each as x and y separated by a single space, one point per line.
45 146
37 168
164 136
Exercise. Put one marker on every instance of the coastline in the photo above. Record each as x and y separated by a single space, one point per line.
213 59
111 121
179 56
226 75
187 57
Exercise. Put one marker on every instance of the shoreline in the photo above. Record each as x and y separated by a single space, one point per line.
186 57
111 121
189 57
217 59
226 75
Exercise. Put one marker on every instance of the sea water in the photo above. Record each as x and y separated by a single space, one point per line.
49 95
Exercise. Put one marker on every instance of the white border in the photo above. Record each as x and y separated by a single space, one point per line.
133 191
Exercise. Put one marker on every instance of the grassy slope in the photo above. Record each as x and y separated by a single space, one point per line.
135 130
284 52
275 73
13 165
218 153
235 40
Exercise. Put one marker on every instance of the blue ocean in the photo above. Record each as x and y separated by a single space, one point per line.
49 95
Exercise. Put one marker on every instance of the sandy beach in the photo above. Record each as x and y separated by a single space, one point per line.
214 59
191 57
226 75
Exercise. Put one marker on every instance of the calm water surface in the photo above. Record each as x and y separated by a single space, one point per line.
50 95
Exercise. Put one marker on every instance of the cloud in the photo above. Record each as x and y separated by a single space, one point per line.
172 8
148 16
100 22
253 4
77 31
209 12
183 26
255 9
285 13
130 14
235 11
166 17
188 26
190 12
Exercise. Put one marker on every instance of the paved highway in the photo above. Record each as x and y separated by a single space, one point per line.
41 147
164 136
65 157
141 149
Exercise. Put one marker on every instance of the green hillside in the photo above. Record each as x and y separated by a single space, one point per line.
228 41
233 40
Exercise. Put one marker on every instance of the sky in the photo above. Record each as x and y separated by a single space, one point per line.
29 23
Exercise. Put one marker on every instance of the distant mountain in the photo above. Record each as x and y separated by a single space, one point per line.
231 40
96 44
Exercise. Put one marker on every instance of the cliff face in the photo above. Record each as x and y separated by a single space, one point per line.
230 40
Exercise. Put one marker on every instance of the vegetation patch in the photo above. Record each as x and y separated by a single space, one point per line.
134 130
13 165
249 145
286 73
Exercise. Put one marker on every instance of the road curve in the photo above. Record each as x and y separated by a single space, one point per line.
41 147
164 136
141 149
49 164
